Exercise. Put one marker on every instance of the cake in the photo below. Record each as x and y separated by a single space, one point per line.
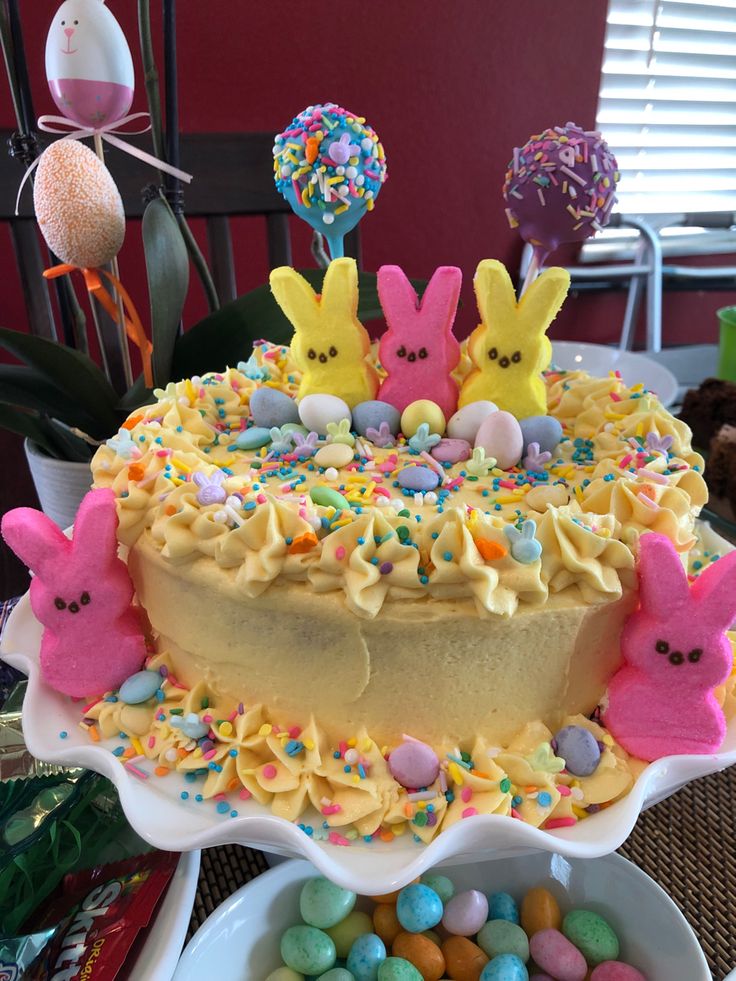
706 408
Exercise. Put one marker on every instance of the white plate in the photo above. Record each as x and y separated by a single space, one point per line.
240 940
598 360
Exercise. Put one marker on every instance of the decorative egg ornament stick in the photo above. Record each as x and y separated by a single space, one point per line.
559 187
330 166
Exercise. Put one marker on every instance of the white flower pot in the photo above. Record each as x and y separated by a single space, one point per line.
60 485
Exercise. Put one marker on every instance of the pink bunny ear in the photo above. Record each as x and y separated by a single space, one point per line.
714 593
95 526
403 310
35 539
663 585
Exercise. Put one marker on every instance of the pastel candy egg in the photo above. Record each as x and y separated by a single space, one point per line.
465 423
554 953
422 411
334 455
505 967
316 411
323 904
327 497
307 949
465 913
285 974
294 427
365 957
616 971
441 884
415 764
452 450
418 478
464 959
422 953
370 415
270 407
540 911
540 496
541 977
139 687
502 906
346 932
337 974
545 430
579 749
418 907
253 438
503 937
78 207
592 935
397 969
386 922
500 436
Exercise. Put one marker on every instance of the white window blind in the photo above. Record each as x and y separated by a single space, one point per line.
668 104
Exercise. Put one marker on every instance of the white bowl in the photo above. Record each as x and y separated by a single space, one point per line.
598 360
165 938
241 938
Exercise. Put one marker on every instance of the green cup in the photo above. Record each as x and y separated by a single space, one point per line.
727 346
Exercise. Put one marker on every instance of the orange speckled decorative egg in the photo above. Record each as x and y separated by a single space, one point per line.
540 911
78 207
422 953
386 922
464 959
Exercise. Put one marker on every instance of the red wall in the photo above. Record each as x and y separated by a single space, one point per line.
451 87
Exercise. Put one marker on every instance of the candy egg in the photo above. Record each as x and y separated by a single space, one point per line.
370 415
77 205
139 687
88 63
386 922
579 749
337 974
323 904
616 971
554 953
592 935
316 411
441 884
465 423
253 438
329 498
346 932
285 974
270 407
418 478
418 908
466 913
540 496
452 451
464 959
545 430
503 937
397 969
502 906
334 455
505 967
500 436
414 764
422 411
365 957
422 953
307 949
540 911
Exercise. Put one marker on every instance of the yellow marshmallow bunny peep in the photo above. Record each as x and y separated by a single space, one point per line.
330 344
510 347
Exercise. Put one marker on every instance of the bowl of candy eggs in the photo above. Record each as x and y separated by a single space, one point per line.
531 917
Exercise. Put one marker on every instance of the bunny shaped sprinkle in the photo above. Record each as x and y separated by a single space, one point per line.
419 350
81 593
661 701
510 348
330 344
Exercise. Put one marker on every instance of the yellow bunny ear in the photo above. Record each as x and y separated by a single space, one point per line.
542 301
340 290
295 296
494 293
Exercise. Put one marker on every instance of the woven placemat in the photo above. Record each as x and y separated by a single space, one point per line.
686 843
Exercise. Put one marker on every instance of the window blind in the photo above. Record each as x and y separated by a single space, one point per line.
667 104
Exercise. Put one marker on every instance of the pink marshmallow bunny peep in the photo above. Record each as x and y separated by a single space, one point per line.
81 593
661 702
419 350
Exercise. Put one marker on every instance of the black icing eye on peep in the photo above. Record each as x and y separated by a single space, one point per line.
401 353
59 603
695 655
676 657
493 353
662 647
516 357
84 598
422 352
311 354
333 351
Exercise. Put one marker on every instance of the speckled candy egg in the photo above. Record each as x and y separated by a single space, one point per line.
307 949
414 764
502 906
346 932
592 935
464 959
505 967
420 951
270 407
500 436
503 937
545 430
443 886
316 411
323 904
616 971
418 908
554 953
465 913
366 956
422 411
370 415
77 205
386 922
465 423
579 748
337 974
397 969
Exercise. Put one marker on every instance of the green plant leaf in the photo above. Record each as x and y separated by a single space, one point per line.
28 389
42 432
76 375
167 268
136 396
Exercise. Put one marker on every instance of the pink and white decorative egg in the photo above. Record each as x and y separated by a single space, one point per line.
88 63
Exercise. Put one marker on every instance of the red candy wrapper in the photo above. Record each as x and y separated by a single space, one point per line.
99 915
